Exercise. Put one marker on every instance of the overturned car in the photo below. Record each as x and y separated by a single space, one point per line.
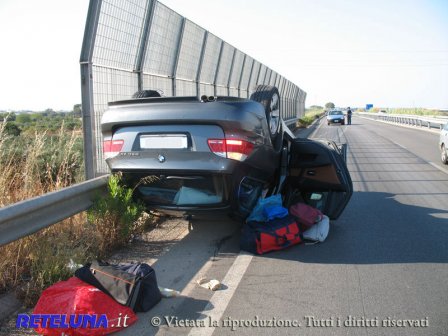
219 154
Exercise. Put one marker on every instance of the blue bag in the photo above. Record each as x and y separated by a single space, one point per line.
258 213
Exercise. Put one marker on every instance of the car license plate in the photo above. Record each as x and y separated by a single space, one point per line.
336 121
157 141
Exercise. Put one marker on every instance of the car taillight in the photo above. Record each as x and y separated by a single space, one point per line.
218 146
111 148
231 148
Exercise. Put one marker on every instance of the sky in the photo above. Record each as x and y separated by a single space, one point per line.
390 53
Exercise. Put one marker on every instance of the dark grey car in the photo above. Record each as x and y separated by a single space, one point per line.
219 154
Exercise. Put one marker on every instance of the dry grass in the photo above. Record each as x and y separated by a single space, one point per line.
37 164
33 165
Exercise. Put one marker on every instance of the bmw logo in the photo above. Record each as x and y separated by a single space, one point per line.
161 158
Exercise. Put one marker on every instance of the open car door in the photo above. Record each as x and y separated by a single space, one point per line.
318 176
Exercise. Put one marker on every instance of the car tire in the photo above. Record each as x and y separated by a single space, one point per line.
443 155
343 123
328 124
148 94
269 97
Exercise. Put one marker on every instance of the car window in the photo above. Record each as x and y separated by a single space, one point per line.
446 127
335 113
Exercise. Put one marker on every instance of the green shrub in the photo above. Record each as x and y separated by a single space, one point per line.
309 117
114 215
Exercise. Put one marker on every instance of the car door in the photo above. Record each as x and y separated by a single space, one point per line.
318 176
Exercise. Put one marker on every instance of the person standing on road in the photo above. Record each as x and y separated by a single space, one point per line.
349 116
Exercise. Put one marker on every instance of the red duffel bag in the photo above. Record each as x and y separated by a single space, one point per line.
305 215
84 310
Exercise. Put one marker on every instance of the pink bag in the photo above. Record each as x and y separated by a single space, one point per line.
305 215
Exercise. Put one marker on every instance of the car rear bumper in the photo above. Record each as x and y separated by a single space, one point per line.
336 121
166 160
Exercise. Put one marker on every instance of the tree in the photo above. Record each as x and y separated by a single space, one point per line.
329 105
9 116
77 112
36 116
23 118
12 129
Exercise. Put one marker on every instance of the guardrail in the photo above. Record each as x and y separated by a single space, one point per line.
407 119
27 217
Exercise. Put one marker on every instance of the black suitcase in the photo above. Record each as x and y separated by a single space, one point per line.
131 284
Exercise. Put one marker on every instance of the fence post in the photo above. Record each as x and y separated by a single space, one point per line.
87 87
144 43
176 60
230 71
241 76
201 60
218 65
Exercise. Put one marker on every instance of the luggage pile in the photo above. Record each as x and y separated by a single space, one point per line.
272 227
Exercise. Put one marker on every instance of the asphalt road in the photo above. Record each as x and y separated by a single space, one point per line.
383 267
384 262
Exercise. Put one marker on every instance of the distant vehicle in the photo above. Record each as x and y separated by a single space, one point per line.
382 112
443 144
220 154
335 117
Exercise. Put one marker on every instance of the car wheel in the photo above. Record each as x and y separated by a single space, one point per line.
444 155
328 124
269 97
148 94
343 123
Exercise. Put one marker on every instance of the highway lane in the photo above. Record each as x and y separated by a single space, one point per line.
421 142
384 261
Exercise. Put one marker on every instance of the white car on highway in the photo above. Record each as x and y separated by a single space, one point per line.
443 144
335 117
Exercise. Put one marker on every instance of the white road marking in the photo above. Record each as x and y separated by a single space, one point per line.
321 123
220 299
438 167
399 145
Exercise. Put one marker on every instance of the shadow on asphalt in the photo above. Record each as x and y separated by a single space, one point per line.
376 229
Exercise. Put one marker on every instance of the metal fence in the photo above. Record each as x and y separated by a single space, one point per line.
131 45
408 119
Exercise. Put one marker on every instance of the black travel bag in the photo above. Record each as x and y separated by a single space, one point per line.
131 284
